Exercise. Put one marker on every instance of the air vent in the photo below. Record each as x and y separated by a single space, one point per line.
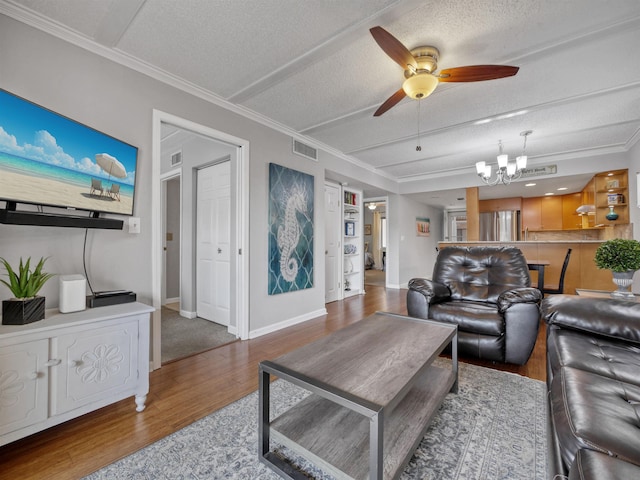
304 150
176 159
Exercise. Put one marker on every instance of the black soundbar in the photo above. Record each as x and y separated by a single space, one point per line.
15 217
104 299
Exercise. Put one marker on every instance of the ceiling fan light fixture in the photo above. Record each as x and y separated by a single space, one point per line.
420 85
372 206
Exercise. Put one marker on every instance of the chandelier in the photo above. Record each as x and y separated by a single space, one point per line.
507 171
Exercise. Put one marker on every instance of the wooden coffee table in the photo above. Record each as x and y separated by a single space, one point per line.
374 393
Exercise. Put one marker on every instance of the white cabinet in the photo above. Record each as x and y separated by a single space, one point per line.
68 365
353 246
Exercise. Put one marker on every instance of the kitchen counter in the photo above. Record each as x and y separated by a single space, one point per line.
581 272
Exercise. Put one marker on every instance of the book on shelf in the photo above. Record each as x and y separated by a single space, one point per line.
350 198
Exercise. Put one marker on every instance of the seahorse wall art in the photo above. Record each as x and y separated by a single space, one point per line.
291 199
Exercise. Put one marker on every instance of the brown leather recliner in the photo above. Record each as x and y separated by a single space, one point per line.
487 292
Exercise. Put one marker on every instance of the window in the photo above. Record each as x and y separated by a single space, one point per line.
383 232
456 226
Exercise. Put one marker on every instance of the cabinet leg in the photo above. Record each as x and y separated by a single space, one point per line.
140 399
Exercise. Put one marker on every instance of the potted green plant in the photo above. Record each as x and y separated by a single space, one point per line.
26 306
622 257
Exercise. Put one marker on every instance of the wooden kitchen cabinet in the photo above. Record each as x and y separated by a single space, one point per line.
501 204
551 213
531 219
570 218
542 213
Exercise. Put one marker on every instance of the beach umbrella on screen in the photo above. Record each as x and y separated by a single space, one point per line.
111 165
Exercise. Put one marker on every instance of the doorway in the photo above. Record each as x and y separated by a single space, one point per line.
375 241
238 244
171 228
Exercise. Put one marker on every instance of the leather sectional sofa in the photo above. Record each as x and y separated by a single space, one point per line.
593 376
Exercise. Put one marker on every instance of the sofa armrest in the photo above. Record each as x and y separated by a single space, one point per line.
422 293
518 295
601 316
434 292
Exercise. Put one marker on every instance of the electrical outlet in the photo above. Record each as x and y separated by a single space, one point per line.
134 225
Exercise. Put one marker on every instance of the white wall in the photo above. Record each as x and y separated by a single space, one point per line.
119 101
411 255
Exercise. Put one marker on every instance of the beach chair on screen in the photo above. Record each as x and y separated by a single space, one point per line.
96 186
114 191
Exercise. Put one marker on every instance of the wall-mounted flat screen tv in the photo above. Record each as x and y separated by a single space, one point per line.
48 159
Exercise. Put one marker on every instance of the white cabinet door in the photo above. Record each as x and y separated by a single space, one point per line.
94 364
332 243
23 385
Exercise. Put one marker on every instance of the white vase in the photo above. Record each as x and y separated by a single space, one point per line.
623 280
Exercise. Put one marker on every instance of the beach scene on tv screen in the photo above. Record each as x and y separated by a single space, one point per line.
48 159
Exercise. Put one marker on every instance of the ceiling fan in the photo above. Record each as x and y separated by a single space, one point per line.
420 65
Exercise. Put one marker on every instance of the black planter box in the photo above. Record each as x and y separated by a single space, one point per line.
21 312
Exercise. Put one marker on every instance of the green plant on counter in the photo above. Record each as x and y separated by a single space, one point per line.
25 283
618 255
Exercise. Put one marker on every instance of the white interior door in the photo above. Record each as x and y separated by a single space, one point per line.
332 243
213 228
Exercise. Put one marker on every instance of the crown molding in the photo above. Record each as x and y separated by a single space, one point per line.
32 19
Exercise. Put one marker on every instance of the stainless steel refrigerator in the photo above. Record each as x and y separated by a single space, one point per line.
500 226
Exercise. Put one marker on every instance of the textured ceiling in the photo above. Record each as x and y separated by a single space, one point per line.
313 67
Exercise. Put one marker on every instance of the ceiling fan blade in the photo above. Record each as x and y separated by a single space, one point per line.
392 47
390 102
476 73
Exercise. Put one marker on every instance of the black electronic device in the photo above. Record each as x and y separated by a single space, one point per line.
115 297
10 215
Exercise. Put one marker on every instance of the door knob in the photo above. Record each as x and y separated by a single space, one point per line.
219 250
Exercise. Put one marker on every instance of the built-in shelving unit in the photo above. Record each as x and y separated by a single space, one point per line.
353 244
612 191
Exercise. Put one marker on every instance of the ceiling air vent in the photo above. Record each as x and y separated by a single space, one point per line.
304 150
176 159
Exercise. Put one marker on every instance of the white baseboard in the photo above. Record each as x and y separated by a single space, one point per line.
396 286
286 323
172 300
233 330
185 314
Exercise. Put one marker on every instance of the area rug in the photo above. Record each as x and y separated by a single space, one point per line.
494 428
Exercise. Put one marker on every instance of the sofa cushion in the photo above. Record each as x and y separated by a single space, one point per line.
613 359
591 465
478 317
597 413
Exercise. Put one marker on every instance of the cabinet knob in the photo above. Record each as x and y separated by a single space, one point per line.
74 363
53 362
32 375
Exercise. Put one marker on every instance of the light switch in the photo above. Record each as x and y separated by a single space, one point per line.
134 225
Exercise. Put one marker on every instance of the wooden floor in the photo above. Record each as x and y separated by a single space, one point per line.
189 389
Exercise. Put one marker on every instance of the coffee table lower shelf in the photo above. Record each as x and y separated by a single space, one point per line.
336 438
